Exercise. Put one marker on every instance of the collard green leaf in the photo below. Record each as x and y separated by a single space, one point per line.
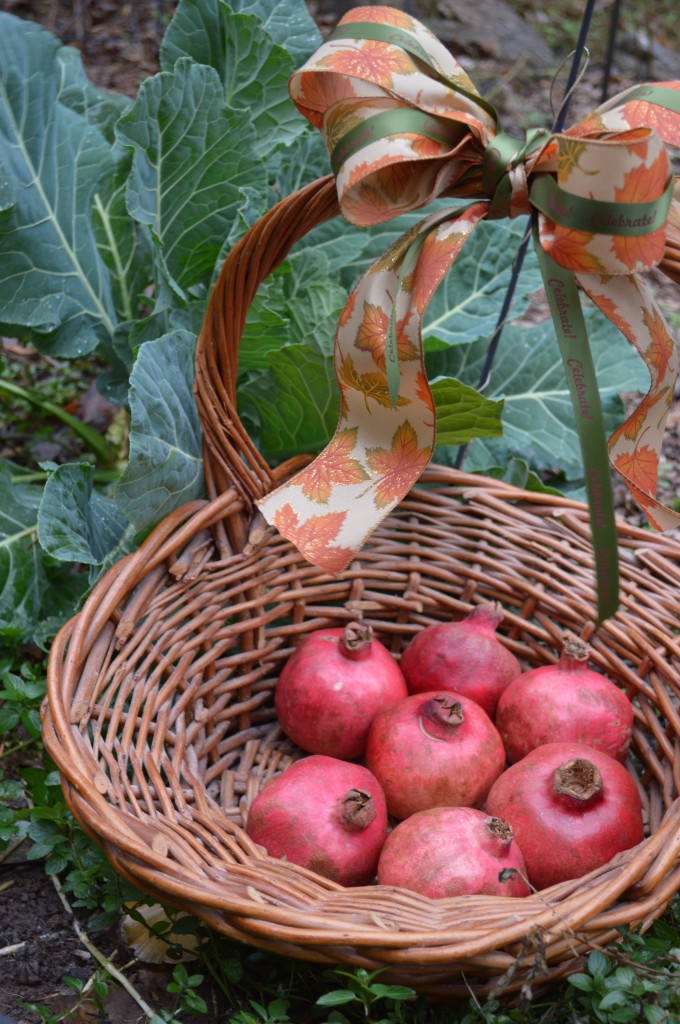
467 303
21 570
254 71
31 590
124 243
165 468
99 107
288 22
305 160
463 413
188 170
538 423
296 402
54 285
75 522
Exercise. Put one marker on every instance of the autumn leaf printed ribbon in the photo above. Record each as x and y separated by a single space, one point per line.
404 125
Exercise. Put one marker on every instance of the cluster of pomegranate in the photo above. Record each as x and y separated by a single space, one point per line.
433 807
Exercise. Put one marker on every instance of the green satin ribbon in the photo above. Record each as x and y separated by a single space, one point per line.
597 216
572 337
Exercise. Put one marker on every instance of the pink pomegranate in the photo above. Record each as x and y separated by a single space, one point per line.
571 808
434 750
324 814
453 851
464 657
566 702
332 687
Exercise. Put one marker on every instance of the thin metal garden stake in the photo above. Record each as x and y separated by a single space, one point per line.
611 45
524 244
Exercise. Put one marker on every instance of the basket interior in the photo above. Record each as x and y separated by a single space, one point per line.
162 722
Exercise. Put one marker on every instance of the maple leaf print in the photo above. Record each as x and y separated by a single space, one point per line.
398 466
348 309
371 61
570 247
569 153
424 147
312 537
372 334
634 424
317 92
640 467
365 206
642 114
370 385
333 466
423 392
434 259
340 119
662 346
382 15
647 507
396 178
610 310
592 125
641 184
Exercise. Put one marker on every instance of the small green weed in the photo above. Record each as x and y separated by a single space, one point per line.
362 990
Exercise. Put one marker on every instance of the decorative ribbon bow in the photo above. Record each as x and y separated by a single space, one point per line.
403 125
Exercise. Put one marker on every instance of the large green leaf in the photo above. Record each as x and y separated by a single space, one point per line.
99 107
296 402
288 22
462 413
54 284
31 590
538 422
124 243
75 522
165 469
467 303
192 156
253 69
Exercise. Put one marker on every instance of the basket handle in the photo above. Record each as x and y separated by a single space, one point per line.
229 456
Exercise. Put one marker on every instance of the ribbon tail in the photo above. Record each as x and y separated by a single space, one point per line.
572 336
635 447
382 443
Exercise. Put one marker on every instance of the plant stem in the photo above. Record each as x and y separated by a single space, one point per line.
94 441
100 957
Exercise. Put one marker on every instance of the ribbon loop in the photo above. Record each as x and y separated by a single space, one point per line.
404 124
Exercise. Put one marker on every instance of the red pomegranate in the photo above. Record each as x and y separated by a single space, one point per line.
453 851
324 814
571 808
434 750
332 687
562 703
465 658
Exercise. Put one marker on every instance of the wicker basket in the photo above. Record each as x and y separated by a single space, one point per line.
160 713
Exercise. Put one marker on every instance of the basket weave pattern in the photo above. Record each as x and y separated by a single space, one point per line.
160 692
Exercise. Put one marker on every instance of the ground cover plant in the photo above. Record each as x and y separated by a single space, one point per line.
115 216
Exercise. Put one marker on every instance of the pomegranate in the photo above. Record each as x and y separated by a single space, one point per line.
571 808
332 687
434 750
465 657
566 702
453 851
324 814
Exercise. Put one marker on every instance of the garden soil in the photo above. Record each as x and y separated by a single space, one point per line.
40 941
